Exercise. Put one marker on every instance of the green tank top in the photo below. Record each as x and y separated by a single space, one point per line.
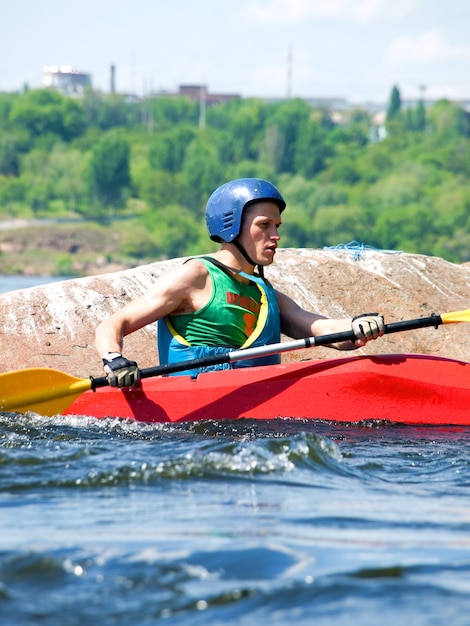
229 317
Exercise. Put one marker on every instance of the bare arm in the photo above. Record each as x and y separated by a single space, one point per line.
181 290
298 323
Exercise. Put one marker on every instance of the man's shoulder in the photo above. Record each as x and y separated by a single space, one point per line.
192 272
196 265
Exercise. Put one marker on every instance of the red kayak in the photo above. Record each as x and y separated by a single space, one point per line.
403 388
400 388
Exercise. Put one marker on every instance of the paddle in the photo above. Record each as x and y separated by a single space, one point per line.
48 392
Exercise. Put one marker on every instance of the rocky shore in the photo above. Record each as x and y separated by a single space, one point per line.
53 325
72 247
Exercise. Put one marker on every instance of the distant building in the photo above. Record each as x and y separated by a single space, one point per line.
199 93
65 79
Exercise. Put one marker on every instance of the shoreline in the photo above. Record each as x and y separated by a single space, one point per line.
64 248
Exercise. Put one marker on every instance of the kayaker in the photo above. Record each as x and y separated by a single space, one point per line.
222 301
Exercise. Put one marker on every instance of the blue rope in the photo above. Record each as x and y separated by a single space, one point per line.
357 249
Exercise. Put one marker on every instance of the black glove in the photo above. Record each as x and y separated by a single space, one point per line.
368 326
121 372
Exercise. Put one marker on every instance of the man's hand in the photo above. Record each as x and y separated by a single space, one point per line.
121 372
368 326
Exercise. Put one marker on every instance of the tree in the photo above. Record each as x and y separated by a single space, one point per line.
312 148
6 102
159 189
167 151
447 118
167 112
67 168
9 156
338 224
109 170
241 124
202 171
44 111
289 119
409 228
420 117
394 104
37 174
12 192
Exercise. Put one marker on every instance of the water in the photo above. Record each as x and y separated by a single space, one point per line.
12 283
237 523
247 523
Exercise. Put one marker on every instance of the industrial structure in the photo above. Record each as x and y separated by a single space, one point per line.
65 79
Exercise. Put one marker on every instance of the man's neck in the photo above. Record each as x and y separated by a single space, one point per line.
230 256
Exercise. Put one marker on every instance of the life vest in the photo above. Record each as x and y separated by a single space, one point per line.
173 347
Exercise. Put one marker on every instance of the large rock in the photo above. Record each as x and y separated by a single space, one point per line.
53 325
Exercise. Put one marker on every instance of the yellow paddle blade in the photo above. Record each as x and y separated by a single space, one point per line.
456 316
41 390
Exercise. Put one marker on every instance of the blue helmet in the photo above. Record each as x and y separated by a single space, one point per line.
225 206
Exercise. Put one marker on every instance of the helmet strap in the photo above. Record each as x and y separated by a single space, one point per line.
239 247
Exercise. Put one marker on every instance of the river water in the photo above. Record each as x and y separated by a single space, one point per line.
245 523
11 283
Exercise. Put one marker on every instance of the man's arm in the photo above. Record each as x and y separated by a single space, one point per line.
298 323
180 290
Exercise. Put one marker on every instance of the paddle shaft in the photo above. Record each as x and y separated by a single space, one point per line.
275 348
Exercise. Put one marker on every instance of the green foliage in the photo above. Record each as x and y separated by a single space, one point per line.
159 238
13 193
167 113
159 189
242 123
9 156
288 119
109 169
67 167
44 111
109 111
419 118
338 223
343 179
167 150
65 265
6 102
202 171
312 148
394 105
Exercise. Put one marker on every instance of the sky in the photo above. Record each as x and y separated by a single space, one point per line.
352 49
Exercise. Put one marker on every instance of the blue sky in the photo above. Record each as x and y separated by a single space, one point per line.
355 49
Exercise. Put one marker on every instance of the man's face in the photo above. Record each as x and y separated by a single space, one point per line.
260 231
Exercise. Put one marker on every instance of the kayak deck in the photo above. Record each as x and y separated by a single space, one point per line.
401 388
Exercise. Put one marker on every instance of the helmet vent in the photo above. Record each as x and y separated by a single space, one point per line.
228 220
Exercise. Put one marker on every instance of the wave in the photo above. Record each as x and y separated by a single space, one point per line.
245 584
81 452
